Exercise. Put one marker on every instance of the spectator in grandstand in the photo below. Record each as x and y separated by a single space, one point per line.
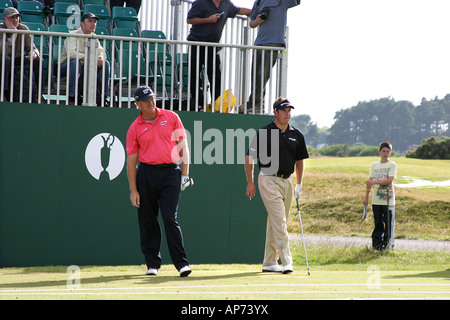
208 18
136 4
75 52
270 16
19 45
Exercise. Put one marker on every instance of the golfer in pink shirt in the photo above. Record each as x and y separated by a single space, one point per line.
157 140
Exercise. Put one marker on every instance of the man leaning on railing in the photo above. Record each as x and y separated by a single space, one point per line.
208 18
13 46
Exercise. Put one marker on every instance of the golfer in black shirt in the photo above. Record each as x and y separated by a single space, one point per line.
279 147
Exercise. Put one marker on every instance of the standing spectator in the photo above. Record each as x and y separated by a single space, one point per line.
74 51
136 4
381 177
270 16
279 147
157 139
20 45
208 18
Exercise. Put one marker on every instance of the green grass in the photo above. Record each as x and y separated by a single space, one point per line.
343 274
359 259
439 169
331 204
333 191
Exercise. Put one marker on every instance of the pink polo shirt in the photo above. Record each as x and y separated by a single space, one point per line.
156 142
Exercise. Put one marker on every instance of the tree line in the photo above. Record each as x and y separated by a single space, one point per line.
371 122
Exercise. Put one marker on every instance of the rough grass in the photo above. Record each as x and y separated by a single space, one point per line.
333 191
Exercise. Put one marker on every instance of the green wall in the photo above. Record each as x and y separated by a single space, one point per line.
54 212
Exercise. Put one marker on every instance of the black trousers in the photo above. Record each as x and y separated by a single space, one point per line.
381 234
159 190
207 59
25 75
136 4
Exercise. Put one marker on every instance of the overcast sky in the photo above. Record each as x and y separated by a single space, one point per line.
346 51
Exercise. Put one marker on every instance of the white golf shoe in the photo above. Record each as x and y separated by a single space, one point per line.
185 271
152 272
274 268
287 269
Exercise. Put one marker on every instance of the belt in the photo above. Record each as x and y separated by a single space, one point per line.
279 175
162 165
283 176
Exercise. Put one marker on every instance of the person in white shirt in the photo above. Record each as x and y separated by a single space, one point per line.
381 177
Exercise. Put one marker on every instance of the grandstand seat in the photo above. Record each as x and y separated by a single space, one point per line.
43 48
125 47
68 14
58 28
182 64
102 31
31 11
5 4
161 61
130 65
85 2
154 34
124 17
35 26
105 43
125 32
100 11
68 1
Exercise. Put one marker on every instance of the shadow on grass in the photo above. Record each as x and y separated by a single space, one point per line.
131 279
445 274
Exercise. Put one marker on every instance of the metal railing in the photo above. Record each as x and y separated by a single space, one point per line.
169 16
166 65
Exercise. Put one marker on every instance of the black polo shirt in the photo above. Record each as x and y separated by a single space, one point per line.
210 32
277 151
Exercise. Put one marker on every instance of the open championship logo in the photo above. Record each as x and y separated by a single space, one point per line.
105 157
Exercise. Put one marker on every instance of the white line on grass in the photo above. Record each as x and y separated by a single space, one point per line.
84 290
371 292
146 290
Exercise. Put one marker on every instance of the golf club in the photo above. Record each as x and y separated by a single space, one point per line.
303 236
388 220
364 213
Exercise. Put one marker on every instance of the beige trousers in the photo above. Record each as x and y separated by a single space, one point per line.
276 194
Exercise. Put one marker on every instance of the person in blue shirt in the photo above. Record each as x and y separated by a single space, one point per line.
270 17
208 18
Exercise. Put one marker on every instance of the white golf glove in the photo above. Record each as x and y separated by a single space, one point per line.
298 191
186 182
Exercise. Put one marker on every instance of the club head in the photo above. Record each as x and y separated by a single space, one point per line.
364 213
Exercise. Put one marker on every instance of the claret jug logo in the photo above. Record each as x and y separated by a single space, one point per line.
105 157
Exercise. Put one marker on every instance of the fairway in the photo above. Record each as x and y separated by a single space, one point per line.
331 207
221 282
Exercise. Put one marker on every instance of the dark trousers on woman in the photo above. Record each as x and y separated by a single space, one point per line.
159 190
382 232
